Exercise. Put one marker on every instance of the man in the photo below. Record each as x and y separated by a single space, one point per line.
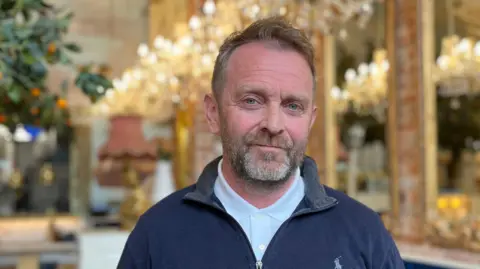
261 204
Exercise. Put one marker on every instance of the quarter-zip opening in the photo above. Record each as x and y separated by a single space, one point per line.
259 263
294 215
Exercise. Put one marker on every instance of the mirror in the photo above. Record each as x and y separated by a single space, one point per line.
360 104
458 101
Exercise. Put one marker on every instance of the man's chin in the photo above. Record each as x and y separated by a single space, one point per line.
269 155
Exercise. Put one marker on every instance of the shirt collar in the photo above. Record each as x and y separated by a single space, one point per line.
240 208
316 197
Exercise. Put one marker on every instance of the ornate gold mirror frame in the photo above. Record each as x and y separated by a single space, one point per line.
411 115
411 127
322 146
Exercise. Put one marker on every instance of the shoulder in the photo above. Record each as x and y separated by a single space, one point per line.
168 207
157 222
353 209
365 227
357 218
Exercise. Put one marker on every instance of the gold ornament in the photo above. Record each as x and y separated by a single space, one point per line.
136 202
16 180
47 175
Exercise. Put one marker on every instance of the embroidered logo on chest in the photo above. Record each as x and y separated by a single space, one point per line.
338 265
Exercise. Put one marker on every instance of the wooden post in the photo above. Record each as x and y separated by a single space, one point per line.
322 146
411 115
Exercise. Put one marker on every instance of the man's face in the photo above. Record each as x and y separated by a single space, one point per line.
265 112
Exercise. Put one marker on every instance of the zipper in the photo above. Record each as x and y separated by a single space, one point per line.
282 226
259 263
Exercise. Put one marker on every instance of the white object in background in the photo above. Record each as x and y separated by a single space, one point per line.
163 184
21 135
101 249
378 201
356 137
6 164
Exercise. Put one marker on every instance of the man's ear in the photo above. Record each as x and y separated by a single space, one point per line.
212 113
314 116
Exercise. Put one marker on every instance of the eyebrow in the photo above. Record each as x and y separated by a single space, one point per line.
262 91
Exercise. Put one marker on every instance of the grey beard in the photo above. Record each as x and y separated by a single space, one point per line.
258 176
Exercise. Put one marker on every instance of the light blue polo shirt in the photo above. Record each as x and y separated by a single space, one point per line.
260 225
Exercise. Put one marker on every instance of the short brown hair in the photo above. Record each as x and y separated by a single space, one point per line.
269 29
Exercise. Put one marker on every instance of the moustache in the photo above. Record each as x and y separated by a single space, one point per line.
266 141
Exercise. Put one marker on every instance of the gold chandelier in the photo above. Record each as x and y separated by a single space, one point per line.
328 16
183 67
341 100
177 71
136 93
169 72
457 68
365 89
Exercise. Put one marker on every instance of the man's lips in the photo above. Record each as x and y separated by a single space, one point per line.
268 147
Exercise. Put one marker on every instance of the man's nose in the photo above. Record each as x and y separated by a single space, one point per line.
274 121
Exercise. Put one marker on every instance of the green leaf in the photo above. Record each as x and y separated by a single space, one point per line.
64 59
68 16
65 21
45 4
6 83
35 50
28 58
26 15
39 69
73 47
23 33
15 93
19 4
7 31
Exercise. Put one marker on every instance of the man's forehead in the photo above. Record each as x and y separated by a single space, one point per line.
257 55
257 48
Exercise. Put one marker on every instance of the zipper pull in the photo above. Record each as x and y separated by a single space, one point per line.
259 265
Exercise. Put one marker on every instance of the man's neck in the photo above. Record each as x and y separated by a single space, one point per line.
256 196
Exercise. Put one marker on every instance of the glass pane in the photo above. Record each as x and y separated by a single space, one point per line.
361 112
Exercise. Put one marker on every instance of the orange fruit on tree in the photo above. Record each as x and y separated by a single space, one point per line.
61 103
52 48
35 92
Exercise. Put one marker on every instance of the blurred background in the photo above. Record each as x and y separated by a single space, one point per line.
100 118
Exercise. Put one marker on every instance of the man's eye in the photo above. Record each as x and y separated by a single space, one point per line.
293 107
251 101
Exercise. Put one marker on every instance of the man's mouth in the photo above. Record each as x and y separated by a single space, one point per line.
271 147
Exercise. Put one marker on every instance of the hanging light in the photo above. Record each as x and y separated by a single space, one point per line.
457 69
328 16
366 88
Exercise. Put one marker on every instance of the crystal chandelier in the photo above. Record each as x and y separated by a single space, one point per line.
328 16
183 67
139 92
457 70
340 100
169 72
366 88
142 90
